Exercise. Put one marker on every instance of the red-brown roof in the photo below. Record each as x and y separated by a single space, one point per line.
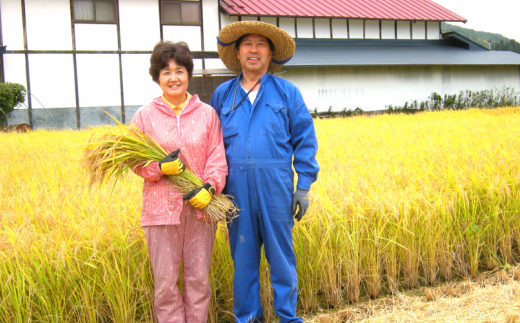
424 10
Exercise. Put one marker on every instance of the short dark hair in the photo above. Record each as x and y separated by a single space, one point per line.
239 40
164 51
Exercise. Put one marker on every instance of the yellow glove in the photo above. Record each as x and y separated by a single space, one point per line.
172 164
201 196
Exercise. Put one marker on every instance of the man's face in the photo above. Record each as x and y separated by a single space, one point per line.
254 54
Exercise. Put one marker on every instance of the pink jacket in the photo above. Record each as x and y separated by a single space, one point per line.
196 131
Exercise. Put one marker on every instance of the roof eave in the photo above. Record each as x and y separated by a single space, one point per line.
231 11
401 65
265 15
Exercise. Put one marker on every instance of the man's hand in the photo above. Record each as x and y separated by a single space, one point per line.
172 164
300 203
201 196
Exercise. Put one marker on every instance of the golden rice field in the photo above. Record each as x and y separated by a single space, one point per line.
401 201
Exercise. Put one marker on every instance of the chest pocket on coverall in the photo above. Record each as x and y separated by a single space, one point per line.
278 124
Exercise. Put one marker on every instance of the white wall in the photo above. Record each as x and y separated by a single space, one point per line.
98 80
249 18
403 30
355 28
268 20
372 88
388 29
197 64
210 18
226 20
322 27
139 24
12 30
14 69
190 34
139 86
52 80
418 30
96 36
287 24
48 24
339 28
433 30
372 29
304 28
215 64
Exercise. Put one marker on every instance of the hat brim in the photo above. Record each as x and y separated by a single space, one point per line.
284 45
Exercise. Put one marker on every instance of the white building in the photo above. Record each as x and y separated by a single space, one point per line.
79 57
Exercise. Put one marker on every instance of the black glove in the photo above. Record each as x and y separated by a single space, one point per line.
300 203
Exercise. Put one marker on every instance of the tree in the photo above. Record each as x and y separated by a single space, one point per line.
486 39
510 45
11 94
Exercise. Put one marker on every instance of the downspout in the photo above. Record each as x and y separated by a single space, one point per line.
2 50
27 73
120 58
75 65
201 16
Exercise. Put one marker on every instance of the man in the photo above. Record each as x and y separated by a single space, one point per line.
265 124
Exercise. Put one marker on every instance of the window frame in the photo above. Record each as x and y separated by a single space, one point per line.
95 21
180 2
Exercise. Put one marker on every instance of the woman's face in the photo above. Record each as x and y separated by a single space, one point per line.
173 80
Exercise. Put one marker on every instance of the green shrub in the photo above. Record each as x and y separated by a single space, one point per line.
330 113
505 97
11 94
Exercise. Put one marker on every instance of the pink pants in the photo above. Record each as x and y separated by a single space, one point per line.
190 241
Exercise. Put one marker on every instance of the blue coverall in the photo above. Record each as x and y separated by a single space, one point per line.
260 141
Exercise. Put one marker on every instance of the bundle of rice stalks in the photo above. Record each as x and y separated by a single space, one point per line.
113 152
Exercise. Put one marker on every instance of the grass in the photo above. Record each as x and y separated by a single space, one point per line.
401 201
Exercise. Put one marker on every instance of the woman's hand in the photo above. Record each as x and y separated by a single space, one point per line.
172 164
201 196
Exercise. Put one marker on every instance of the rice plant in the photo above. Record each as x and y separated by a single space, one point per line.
401 201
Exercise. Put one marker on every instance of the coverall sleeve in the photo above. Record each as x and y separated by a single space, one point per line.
216 170
303 141
152 171
215 101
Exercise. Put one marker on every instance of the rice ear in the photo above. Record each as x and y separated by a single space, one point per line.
109 154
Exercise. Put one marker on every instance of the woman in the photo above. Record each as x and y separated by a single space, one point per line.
175 230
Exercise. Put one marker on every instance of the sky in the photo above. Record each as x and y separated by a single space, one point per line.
496 16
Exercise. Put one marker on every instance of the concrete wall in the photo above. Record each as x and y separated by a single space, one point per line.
60 118
369 88
373 88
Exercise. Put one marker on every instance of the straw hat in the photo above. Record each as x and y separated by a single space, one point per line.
284 45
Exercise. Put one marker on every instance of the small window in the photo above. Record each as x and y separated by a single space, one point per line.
102 11
175 12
